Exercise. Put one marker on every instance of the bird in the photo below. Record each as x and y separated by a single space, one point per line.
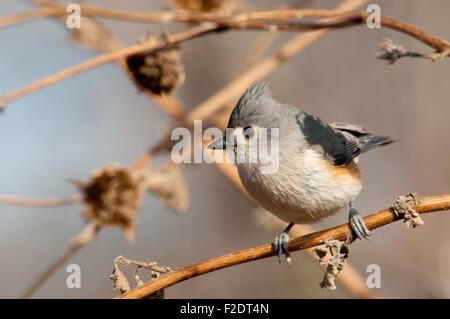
317 172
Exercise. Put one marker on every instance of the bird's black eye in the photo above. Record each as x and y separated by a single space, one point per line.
249 132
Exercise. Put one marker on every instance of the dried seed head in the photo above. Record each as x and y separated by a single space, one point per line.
159 71
217 6
113 197
339 251
121 282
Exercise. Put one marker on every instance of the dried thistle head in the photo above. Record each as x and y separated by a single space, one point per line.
113 197
216 6
159 71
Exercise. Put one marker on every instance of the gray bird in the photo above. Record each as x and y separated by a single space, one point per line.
317 170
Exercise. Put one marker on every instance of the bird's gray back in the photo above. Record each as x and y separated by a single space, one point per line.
297 129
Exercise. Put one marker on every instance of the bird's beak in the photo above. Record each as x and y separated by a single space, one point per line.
220 144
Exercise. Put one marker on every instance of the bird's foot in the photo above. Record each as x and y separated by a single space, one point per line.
357 224
280 246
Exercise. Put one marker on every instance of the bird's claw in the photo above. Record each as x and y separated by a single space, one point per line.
280 245
357 224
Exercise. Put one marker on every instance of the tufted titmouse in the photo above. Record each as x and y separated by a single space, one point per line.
318 172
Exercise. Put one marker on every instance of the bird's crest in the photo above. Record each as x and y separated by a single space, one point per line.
254 92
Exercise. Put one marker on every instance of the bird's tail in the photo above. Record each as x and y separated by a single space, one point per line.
369 143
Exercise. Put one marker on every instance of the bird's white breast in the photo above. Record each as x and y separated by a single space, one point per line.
305 188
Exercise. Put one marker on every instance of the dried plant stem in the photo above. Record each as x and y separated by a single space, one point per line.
243 20
428 204
38 202
235 88
11 20
85 236
102 59
350 279
238 22
302 41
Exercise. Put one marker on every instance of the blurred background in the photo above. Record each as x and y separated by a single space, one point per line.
75 126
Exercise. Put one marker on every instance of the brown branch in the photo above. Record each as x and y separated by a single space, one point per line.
235 88
428 204
243 20
392 52
59 10
38 202
23 17
349 277
228 23
199 17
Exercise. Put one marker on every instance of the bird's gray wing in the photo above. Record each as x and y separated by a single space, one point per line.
353 129
339 147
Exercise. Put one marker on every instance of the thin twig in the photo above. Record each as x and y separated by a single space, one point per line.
23 17
85 236
350 278
38 202
224 23
110 43
428 204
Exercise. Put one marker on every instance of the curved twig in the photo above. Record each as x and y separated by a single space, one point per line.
241 22
428 204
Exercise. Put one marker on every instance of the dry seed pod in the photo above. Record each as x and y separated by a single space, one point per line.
159 71
113 197
94 35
